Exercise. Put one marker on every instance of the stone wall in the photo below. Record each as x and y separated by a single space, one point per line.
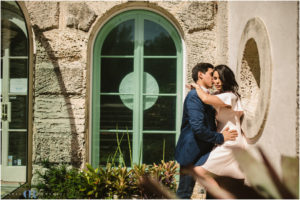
62 32
63 35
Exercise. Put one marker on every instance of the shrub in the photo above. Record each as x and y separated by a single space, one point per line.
59 182
109 182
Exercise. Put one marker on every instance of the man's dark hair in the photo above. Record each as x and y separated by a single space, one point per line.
200 67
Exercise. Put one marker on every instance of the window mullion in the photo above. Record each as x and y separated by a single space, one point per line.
138 50
179 94
141 83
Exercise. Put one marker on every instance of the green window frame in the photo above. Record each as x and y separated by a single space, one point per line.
137 132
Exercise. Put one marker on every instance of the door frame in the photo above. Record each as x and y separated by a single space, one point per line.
30 33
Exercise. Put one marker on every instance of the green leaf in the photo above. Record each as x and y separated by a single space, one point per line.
90 168
90 193
256 173
290 174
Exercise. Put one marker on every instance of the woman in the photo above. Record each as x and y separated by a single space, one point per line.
227 103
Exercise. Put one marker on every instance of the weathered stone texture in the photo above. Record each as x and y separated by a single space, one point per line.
43 14
59 80
222 34
198 16
80 16
200 48
59 114
59 129
250 78
101 9
249 88
66 44
41 52
56 44
54 147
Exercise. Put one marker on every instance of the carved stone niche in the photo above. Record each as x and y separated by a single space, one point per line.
250 78
254 73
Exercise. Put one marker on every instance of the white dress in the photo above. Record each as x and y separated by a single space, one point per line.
221 161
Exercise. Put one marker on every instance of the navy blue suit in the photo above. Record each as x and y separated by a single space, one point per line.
197 138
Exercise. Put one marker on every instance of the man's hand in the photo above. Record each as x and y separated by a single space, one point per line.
229 134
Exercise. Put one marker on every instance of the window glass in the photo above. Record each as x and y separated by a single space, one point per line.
157 40
18 68
113 71
17 149
109 151
13 30
18 44
162 115
157 147
114 114
18 112
164 72
120 41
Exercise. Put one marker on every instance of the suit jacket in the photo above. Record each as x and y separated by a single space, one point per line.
198 132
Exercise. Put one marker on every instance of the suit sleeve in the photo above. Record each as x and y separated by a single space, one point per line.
195 109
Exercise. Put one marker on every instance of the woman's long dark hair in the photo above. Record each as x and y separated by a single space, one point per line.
227 77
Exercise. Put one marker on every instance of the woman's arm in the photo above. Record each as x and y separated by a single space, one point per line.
207 98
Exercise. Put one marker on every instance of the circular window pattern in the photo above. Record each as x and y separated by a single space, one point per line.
127 86
254 72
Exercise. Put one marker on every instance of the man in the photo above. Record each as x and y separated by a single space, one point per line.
198 130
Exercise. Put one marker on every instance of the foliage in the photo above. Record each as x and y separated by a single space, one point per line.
262 178
109 182
164 173
59 182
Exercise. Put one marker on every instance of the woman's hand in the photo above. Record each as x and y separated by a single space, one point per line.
194 85
188 86
191 86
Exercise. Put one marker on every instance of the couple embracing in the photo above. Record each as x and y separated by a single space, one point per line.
211 124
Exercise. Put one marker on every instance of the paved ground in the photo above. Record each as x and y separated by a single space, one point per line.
8 187
199 192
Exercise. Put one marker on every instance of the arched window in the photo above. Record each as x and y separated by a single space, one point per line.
136 90
14 94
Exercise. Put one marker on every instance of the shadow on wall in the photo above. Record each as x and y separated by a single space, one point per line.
250 78
75 157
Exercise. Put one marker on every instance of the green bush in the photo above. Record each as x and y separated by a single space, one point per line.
109 182
59 182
